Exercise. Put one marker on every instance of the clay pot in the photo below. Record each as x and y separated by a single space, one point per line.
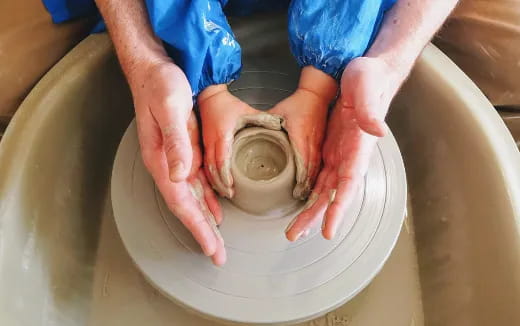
263 171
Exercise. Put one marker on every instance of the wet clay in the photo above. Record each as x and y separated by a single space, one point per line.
270 122
263 171
261 160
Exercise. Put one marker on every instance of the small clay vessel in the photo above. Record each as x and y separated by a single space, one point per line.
263 170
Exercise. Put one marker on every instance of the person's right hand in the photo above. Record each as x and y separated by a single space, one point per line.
169 140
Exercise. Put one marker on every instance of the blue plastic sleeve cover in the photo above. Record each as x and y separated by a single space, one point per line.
328 34
198 38
195 33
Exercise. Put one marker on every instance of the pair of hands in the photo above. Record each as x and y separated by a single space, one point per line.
170 145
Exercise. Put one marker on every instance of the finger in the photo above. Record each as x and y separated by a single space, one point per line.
301 160
314 209
306 218
368 121
314 162
188 210
211 199
223 157
176 142
211 171
209 159
307 161
220 257
320 182
193 133
346 191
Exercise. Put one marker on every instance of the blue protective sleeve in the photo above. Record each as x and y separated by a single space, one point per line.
195 33
198 38
65 10
328 34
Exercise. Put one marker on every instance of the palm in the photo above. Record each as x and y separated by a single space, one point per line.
367 87
305 117
169 141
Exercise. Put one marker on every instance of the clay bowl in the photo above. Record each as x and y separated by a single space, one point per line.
263 172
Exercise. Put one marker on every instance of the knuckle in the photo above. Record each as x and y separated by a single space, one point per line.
173 143
194 223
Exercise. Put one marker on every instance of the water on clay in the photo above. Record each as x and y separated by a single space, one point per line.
62 262
261 159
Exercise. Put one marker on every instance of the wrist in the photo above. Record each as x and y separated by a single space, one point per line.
139 69
318 83
211 91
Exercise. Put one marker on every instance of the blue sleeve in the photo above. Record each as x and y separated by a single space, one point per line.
195 33
198 38
328 34
65 10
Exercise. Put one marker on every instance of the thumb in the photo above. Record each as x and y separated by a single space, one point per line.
368 114
176 143
368 120
367 103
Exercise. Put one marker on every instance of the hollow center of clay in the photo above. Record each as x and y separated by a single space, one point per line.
261 159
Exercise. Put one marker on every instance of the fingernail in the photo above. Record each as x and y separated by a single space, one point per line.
290 224
206 251
213 224
218 235
332 196
226 174
310 202
298 236
176 169
323 224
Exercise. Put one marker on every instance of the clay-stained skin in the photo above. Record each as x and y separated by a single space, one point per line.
198 192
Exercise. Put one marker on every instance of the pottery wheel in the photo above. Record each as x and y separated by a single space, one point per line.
266 279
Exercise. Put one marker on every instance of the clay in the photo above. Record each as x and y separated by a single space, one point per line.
263 171
265 120
198 192
271 122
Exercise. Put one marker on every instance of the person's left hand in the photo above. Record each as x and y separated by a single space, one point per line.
305 118
222 115
367 87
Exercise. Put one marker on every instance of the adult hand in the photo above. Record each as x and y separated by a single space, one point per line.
222 115
305 116
169 140
367 88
